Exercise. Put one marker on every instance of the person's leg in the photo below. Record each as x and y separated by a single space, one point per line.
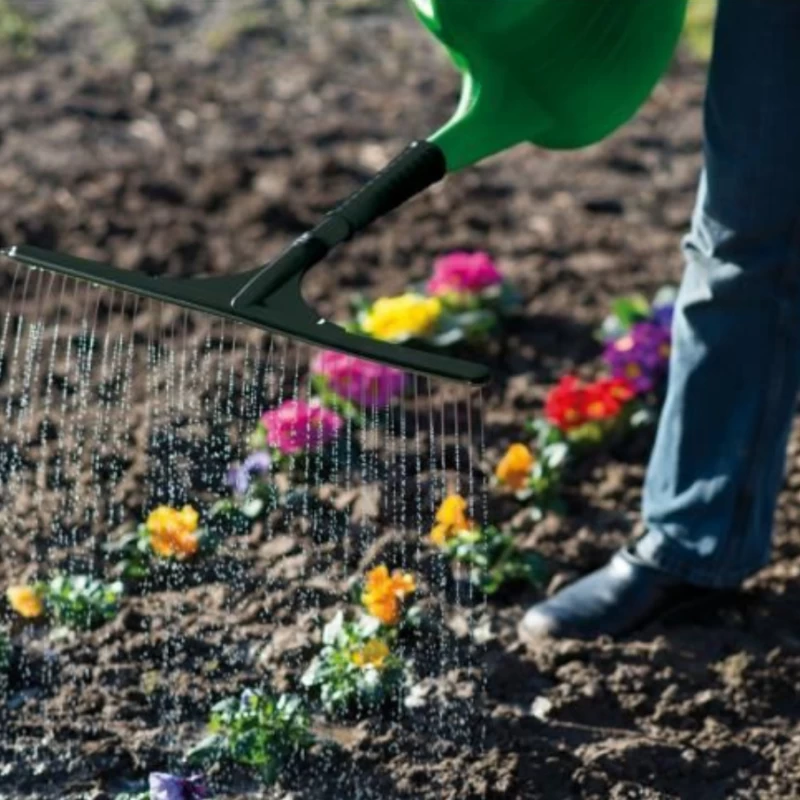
717 463
719 455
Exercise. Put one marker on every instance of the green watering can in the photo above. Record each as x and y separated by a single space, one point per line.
557 73
554 73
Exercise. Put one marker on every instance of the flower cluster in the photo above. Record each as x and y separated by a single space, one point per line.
76 601
169 536
490 557
580 414
534 473
254 490
573 404
397 319
358 667
641 356
516 466
465 298
296 427
172 532
460 276
385 594
637 337
356 380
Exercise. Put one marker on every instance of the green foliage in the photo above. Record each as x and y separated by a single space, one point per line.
493 559
625 312
542 491
345 408
16 30
132 553
256 730
83 602
356 670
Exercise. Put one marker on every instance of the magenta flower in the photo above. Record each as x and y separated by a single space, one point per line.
358 380
170 787
297 426
464 273
641 356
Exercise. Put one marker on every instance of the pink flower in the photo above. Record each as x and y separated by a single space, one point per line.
358 380
297 426
463 273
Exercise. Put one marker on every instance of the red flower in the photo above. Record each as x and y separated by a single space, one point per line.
565 406
571 404
620 389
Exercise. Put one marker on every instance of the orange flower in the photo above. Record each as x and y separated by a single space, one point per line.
451 519
173 532
384 594
26 601
515 466
452 512
373 654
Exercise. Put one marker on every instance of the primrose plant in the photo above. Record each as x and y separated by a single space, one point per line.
171 536
490 557
75 601
348 385
356 670
256 730
535 474
358 667
83 602
300 436
255 492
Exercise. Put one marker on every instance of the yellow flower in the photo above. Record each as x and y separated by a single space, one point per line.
515 466
396 318
373 654
452 512
26 601
173 532
384 594
451 519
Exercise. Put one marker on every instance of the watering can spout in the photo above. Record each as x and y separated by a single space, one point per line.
560 74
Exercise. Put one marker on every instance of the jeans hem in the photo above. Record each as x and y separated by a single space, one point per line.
661 552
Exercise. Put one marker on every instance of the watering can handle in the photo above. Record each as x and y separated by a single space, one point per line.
419 166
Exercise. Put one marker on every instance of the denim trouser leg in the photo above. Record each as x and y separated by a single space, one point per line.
718 460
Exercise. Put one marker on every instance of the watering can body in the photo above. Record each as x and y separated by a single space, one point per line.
560 74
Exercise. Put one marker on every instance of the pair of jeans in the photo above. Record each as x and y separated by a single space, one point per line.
719 456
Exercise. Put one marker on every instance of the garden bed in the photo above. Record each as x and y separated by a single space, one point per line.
199 143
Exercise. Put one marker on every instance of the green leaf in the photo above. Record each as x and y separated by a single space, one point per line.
632 309
208 751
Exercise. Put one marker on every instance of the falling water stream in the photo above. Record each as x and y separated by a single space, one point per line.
111 406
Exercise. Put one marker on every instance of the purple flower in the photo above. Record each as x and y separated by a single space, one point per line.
257 464
641 356
164 786
662 316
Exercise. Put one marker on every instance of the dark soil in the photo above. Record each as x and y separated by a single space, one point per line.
197 142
